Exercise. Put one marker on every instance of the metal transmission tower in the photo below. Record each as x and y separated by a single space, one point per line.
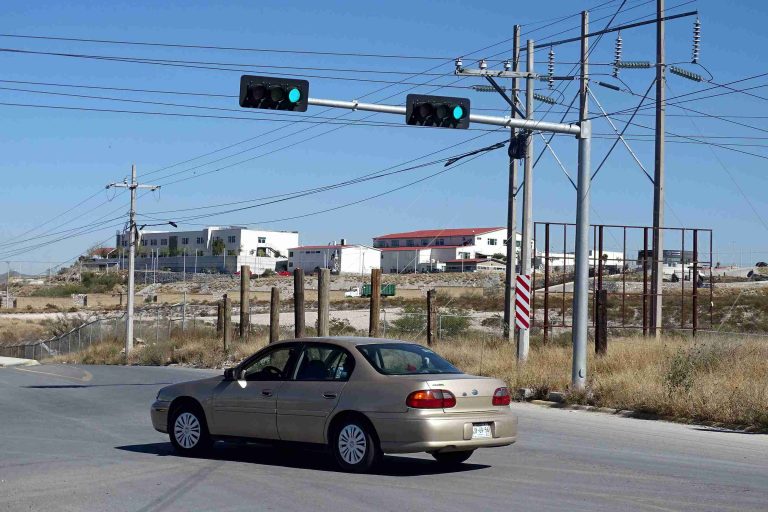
132 241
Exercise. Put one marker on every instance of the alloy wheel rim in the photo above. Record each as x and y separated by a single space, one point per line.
186 430
352 444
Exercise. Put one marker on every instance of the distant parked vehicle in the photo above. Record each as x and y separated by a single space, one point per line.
761 264
359 397
387 290
353 292
284 273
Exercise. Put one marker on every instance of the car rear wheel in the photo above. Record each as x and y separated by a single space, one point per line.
189 432
354 446
452 458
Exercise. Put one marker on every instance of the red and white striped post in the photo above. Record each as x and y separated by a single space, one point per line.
523 302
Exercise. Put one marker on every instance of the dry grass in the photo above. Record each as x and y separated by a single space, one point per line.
719 380
13 330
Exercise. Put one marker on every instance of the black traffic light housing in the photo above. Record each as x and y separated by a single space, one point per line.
273 93
438 111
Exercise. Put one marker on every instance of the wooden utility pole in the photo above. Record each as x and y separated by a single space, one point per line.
274 315
657 271
298 302
511 268
373 326
245 284
323 313
431 317
227 322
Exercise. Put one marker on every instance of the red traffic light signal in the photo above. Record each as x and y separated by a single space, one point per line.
438 111
273 93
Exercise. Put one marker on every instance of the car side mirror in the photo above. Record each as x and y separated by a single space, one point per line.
230 374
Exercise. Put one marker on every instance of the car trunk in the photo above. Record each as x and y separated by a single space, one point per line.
472 393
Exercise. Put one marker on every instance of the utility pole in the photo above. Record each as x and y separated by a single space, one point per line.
132 240
581 280
8 286
509 277
523 335
657 271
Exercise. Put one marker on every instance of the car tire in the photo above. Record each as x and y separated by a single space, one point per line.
188 431
452 458
355 446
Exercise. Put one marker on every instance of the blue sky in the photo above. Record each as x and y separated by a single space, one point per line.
53 159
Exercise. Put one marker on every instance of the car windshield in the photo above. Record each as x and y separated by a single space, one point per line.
405 359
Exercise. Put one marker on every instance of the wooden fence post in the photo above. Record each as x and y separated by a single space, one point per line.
323 313
245 284
298 302
601 324
227 322
274 315
373 325
431 317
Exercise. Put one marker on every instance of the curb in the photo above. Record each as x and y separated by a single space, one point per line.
646 416
10 362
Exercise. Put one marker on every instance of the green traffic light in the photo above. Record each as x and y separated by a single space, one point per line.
294 95
458 112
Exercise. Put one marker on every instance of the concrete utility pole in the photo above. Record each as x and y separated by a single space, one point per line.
132 240
657 271
523 335
8 286
581 281
509 276
245 284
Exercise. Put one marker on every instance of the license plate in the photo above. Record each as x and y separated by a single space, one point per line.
481 430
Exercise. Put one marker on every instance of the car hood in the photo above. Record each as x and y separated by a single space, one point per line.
195 388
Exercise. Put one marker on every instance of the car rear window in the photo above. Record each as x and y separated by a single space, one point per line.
405 359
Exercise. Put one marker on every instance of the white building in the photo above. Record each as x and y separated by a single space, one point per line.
218 249
425 250
475 265
340 258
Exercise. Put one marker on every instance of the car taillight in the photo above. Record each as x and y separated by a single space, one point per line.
501 396
431 399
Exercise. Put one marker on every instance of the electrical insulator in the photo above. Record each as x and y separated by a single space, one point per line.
483 65
617 56
696 41
551 68
507 65
459 64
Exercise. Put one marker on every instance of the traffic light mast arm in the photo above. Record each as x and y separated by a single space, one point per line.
508 122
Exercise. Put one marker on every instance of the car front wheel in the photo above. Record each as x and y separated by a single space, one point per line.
189 432
452 458
354 446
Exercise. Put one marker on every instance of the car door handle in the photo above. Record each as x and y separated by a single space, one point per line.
330 396
266 392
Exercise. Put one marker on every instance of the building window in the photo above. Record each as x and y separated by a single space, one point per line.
144 242
153 242
185 241
231 239
491 241
200 240
290 264
290 254
424 242
200 253
517 244
163 241
409 243
395 243
262 240
439 241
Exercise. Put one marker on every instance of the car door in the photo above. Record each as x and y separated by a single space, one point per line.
305 402
246 406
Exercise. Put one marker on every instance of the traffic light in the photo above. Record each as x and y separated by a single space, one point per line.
439 111
273 93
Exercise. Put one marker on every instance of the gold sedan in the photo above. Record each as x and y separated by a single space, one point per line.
361 397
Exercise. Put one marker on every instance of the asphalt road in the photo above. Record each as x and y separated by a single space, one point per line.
79 438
